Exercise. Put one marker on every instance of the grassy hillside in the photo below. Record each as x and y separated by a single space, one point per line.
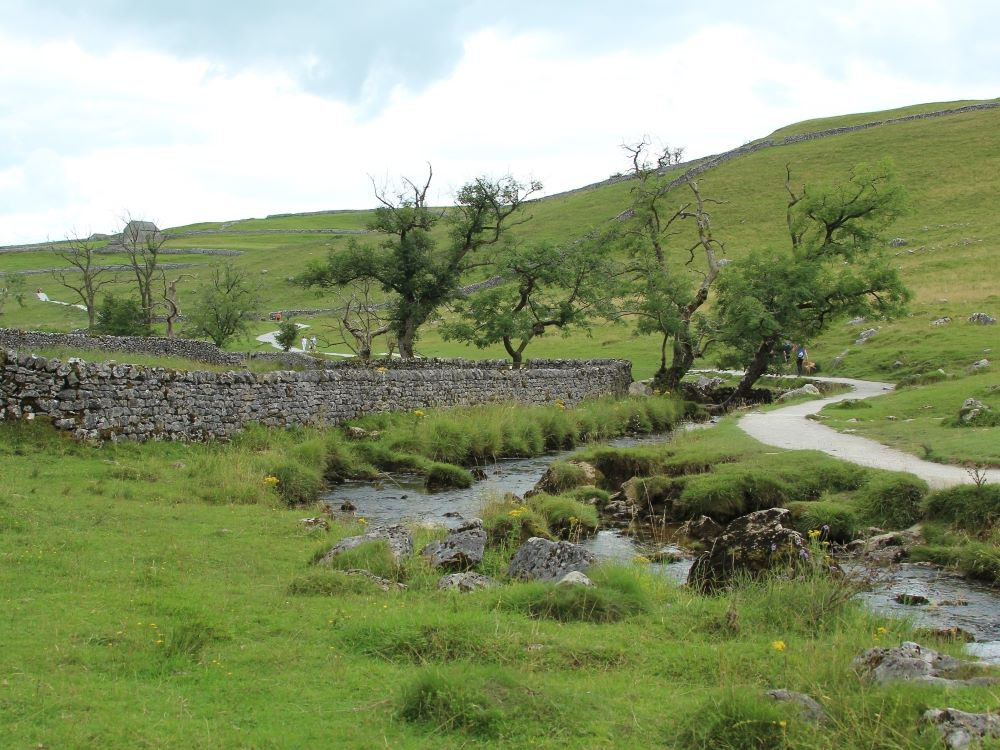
949 165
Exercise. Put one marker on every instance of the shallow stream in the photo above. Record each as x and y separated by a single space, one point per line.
954 601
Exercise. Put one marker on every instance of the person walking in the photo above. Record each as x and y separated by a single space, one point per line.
800 358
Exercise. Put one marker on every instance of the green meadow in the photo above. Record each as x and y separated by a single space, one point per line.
167 595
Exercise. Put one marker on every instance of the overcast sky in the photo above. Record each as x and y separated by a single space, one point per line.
192 110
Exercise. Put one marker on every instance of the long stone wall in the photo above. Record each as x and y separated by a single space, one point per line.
129 402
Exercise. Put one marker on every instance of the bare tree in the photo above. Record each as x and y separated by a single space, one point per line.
170 297
142 242
80 253
361 321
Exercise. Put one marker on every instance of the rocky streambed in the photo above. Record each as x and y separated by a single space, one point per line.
928 596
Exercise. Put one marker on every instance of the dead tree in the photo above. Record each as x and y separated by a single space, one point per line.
80 254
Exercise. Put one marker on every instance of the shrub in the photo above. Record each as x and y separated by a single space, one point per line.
563 475
840 518
510 522
892 499
565 516
588 494
373 556
739 721
441 476
731 492
618 594
296 483
477 703
973 508
329 583
118 316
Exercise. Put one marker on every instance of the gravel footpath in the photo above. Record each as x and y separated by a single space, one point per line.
789 428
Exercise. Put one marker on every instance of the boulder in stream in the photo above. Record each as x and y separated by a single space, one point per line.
751 545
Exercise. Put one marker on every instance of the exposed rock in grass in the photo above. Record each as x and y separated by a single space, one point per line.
468 581
960 729
981 318
865 335
807 390
980 365
541 560
972 411
812 711
941 321
462 549
383 583
357 433
575 578
912 662
316 523
751 545
397 536
640 388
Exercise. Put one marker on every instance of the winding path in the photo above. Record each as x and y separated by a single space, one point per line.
788 428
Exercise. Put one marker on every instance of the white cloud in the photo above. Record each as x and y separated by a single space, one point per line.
87 136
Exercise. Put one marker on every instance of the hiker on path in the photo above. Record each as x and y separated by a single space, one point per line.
312 343
305 347
800 357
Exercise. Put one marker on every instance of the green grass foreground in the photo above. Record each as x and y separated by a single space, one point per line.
165 596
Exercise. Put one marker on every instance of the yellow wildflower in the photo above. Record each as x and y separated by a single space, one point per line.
778 645
381 369
782 723
419 413
641 560
813 533
362 520
270 480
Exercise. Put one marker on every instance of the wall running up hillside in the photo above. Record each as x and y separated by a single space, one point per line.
130 402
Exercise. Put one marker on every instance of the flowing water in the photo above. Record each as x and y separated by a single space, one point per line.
954 600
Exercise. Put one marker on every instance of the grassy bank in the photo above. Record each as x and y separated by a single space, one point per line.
164 595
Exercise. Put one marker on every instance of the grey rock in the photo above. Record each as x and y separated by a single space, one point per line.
702 528
751 545
639 388
807 390
912 662
383 583
959 729
467 581
941 321
971 410
898 242
462 549
981 318
812 711
911 600
398 536
357 433
865 335
980 365
575 578
706 384
315 522
856 321
541 560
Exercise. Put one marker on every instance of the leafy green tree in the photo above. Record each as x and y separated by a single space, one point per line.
220 308
287 335
544 287
836 266
122 316
419 275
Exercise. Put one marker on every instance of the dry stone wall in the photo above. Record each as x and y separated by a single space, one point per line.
129 402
